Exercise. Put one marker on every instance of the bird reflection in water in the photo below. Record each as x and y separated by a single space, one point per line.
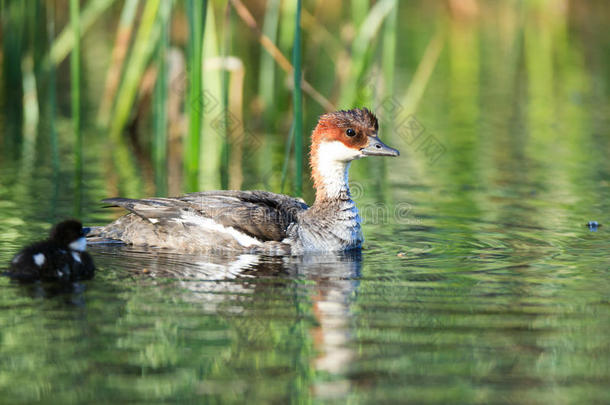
240 284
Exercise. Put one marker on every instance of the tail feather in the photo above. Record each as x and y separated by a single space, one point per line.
97 236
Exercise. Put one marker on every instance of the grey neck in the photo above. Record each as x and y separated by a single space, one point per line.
331 224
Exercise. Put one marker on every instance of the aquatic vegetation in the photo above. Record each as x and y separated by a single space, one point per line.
219 93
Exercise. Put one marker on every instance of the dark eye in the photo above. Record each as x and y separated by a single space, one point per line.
350 132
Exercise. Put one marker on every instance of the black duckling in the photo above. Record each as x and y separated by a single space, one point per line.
62 257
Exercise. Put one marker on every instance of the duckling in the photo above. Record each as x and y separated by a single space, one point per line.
61 257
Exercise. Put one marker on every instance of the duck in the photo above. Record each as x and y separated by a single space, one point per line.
261 221
60 258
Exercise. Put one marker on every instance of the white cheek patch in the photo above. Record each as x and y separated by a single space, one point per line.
336 151
80 244
76 256
39 259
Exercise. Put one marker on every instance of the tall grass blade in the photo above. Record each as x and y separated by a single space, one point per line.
226 144
359 10
287 150
423 72
65 41
388 61
30 104
12 15
360 49
75 101
30 98
267 67
227 121
237 133
144 45
277 55
211 134
52 104
298 105
141 51
31 110
159 146
196 11
287 29
119 53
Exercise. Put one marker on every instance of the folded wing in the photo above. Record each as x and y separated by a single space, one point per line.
261 215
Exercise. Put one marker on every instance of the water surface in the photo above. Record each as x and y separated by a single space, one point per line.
478 283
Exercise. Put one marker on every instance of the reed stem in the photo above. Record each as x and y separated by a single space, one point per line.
267 66
196 11
277 55
367 32
224 91
159 146
117 59
52 103
287 150
75 101
66 41
142 48
423 73
298 105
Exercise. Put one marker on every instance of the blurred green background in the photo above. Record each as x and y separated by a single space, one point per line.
479 282
163 97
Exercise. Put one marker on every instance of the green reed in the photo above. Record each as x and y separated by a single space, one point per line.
267 83
52 105
225 77
75 101
196 13
359 9
159 144
388 61
210 156
266 80
12 26
144 42
117 58
141 50
422 74
361 50
65 41
298 105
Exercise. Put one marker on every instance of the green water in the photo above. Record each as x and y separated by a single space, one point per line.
479 281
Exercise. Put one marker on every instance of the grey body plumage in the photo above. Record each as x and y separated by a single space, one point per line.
253 221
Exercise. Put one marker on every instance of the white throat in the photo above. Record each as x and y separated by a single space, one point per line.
333 160
79 245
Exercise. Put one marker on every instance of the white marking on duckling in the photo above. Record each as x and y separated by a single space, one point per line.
80 244
76 256
16 259
39 259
